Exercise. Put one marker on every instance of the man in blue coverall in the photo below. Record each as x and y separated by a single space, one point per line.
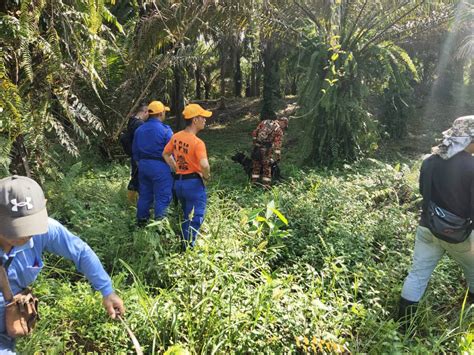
154 175
26 232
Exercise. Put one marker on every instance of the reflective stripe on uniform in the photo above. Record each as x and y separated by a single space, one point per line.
255 176
266 179
277 151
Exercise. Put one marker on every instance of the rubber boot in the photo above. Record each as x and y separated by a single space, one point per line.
142 223
132 197
406 312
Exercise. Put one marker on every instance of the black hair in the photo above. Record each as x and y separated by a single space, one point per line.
188 122
142 107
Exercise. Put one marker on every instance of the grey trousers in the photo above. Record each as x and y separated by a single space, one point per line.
428 252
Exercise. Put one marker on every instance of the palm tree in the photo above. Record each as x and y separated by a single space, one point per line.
50 52
348 47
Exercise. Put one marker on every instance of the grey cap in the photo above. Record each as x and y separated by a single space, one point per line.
22 208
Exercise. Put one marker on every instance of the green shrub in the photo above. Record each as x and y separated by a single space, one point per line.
316 264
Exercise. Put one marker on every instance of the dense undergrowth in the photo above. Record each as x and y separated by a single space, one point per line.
315 265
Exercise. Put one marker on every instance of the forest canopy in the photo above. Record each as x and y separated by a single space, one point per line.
74 71
311 263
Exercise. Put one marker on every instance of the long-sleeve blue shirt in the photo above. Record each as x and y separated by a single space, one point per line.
150 139
27 263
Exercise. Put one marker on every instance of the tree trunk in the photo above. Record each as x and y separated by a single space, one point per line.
198 79
271 78
237 72
178 95
258 78
294 85
19 163
253 80
223 67
248 86
208 83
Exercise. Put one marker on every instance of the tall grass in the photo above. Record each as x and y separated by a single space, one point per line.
315 265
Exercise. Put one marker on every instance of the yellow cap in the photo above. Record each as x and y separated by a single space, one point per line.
156 107
193 110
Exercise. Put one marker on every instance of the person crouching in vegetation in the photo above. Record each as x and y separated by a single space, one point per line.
25 233
186 155
154 174
127 142
447 187
267 140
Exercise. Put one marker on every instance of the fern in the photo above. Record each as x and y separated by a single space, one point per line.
11 106
64 138
107 15
80 111
406 60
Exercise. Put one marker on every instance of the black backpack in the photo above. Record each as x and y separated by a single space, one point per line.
444 224
126 141
126 137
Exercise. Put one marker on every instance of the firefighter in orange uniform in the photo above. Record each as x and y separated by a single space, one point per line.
267 141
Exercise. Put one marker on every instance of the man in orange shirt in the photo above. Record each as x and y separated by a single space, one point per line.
186 154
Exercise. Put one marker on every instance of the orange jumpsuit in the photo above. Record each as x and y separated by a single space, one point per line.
267 139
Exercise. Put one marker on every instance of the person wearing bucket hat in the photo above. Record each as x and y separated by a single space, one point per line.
26 232
154 175
447 183
187 156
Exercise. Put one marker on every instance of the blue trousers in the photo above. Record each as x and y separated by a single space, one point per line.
155 184
7 344
191 193
133 184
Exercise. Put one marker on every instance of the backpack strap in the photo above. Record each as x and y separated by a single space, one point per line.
427 185
4 283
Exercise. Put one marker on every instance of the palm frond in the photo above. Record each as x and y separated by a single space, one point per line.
466 50
64 139
50 47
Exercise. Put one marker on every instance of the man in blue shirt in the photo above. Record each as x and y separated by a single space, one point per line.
26 232
154 175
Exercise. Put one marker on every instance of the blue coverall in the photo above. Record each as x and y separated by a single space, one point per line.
154 175
27 264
